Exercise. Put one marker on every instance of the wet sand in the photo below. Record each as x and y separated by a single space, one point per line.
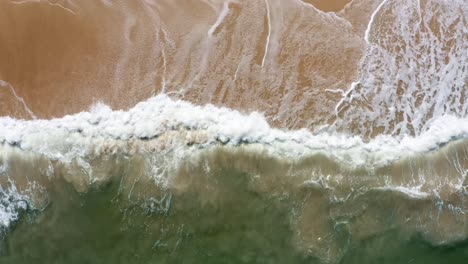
295 61
329 6
171 182
62 56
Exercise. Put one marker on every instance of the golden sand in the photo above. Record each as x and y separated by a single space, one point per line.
277 57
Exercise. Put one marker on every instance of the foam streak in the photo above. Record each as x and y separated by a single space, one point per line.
371 21
267 44
19 98
220 18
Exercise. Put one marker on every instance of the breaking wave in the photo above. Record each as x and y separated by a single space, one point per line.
162 149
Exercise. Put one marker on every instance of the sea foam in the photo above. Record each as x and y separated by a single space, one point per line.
165 146
69 137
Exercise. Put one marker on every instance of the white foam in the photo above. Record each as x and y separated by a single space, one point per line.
71 136
411 192
19 98
267 43
219 20
414 71
11 202
59 5
371 21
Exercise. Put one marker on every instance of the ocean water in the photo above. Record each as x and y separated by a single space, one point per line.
173 182
246 228
206 131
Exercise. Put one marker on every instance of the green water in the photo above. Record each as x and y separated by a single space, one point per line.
94 228
388 248
102 226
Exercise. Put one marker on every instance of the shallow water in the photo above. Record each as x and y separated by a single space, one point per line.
233 204
94 228
243 227
234 131
369 67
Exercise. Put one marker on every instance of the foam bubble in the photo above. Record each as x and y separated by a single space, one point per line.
70 136
11 203
414 70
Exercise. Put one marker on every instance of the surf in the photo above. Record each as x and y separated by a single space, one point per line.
171 148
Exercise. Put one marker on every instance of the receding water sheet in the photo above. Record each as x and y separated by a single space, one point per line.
234 131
